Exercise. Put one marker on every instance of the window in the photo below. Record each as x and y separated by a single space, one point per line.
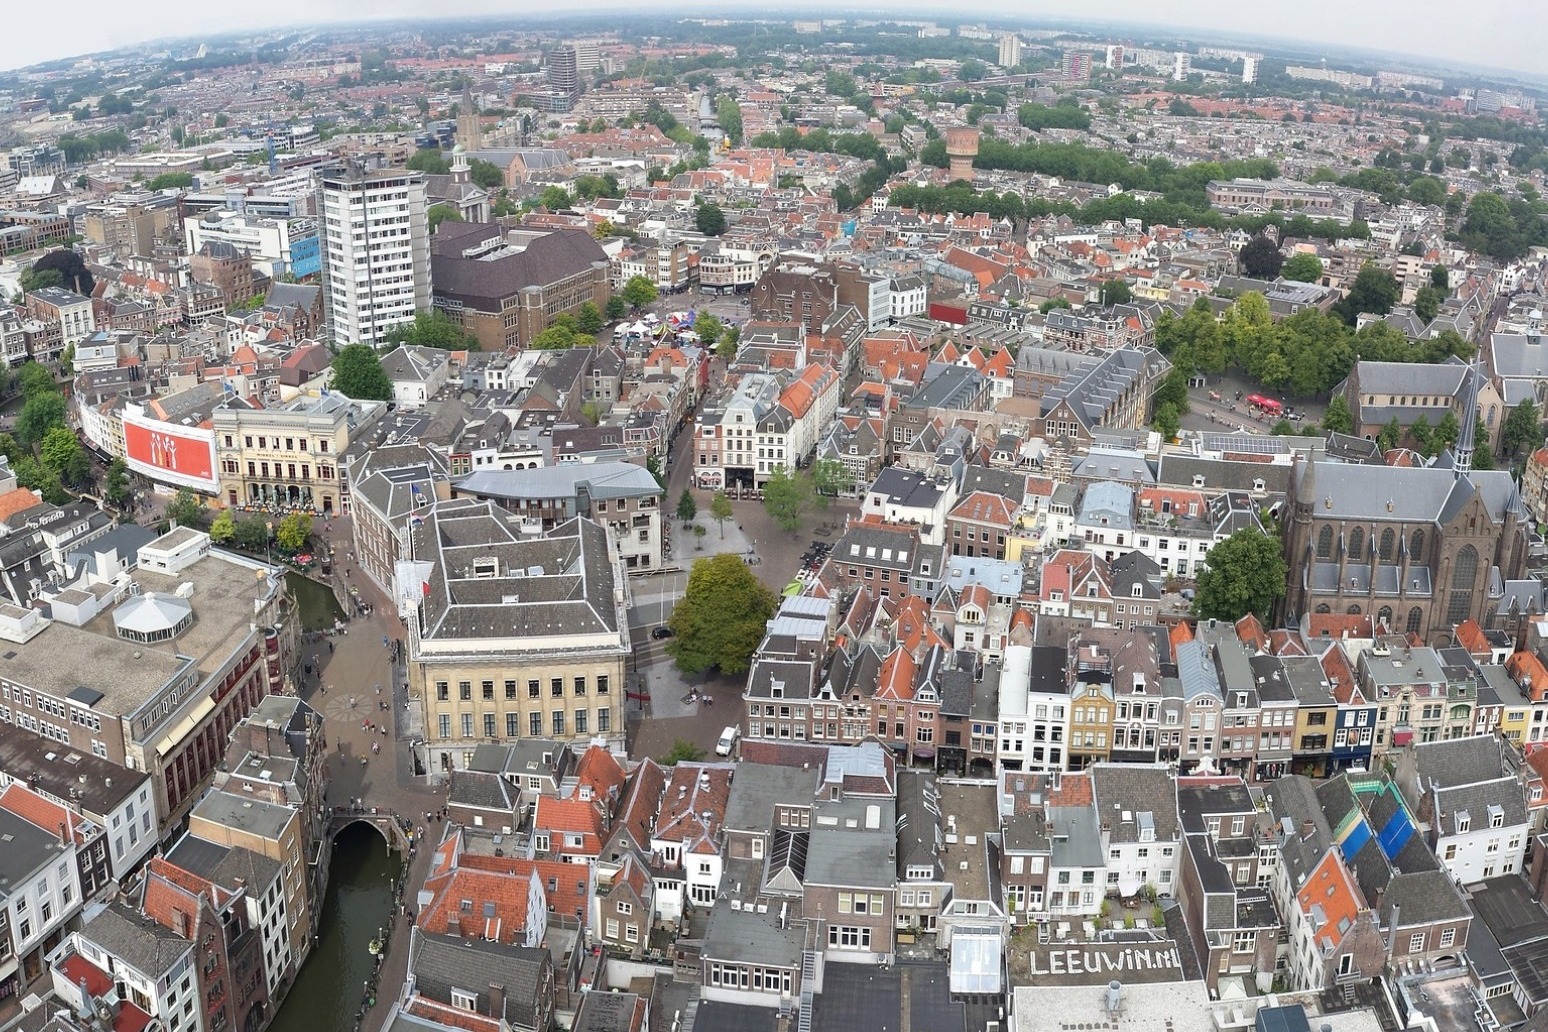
845 937
465 690
556 687
489 725
558 723
442 691
467 725
580 686
510 690
487 691
1448 936
1416 943
1244 942
534 724
445 725
1325 543
580 721
512 725
534 689
602 684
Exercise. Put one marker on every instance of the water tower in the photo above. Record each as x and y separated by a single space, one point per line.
961 149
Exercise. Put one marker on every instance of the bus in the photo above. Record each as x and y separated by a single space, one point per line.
1268 406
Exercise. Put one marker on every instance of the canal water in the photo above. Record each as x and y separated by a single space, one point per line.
318 606
327 994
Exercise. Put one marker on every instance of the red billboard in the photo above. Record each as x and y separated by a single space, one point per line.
181 455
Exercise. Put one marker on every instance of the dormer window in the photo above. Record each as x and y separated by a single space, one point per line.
1464 822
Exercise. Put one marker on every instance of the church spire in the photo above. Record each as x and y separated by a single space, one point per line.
1465 434
468 130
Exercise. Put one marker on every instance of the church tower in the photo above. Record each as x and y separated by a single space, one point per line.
468 132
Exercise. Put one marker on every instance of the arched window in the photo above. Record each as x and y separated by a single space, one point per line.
1384 617
1353 610
1325 543
1464 572
1387 541
1324 608
1356 543
1415 618
1416 547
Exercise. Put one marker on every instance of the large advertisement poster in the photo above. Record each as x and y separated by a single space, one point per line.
181 455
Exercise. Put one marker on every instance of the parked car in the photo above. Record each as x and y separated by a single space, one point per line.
661 632
727 741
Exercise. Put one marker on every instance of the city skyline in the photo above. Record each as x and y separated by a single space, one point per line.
1502 35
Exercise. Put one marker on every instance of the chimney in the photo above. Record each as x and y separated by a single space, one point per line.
497 1002
1114 996
184 926
1392 926
1307 827
64 834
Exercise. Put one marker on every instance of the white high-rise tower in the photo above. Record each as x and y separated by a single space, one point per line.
375 253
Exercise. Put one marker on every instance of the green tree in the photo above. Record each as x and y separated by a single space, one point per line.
1052 303
830 478
555 198
358 374
653 467
787 497
1522 428
1114 292
1338 419
682 751
709 219
1166 421
1246 574
67 361
1440 279
34 476
687 508
1446 432
40 414
1282 428
616 308
439 213
555 338
1427 302
252 533
185 509
293 531
1261 258
730 339
430 161
709 328
40 279
589 318
1374 291
1390 436
639 292
1483 454
720 511
433 329
223 528
170 181
61 452
34 379
115 483
1303 268
485 174
720 618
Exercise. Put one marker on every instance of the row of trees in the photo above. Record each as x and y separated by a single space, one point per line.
961 198
46 455
1307 354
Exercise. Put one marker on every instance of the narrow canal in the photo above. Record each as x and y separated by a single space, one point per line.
318 607
328 994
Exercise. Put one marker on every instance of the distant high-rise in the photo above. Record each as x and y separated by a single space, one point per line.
1115 57
1249 69
1076 65
1010 50
1182 66
961 149
588 56
564 71
375 253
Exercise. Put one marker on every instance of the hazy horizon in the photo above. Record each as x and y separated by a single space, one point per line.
1504 34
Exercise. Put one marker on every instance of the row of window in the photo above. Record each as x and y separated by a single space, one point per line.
486 689
557 721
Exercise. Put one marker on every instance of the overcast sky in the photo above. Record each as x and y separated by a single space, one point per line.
1504 34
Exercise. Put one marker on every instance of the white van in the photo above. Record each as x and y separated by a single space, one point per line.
727 741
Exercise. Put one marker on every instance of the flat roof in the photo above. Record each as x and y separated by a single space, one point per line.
63 658
966 861
55 771
1160 1007
243 813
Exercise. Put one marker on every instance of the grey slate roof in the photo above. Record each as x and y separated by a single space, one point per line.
135 940
1137 789
441 963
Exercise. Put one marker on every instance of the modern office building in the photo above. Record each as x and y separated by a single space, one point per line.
375 253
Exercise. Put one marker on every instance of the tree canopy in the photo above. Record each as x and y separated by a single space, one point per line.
709 219
430 161
73 274
433 329
720 618
1302 267
1246 574
358 374
1261 258
639 292
185 509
